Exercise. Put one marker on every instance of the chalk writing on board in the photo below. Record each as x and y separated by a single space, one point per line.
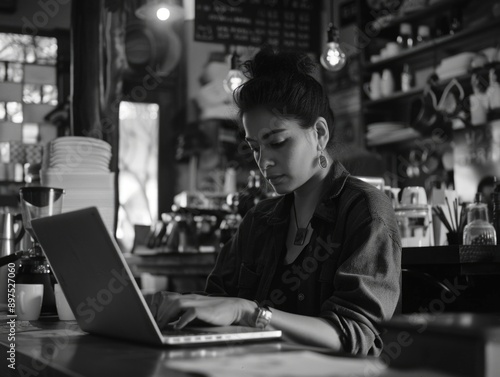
291 24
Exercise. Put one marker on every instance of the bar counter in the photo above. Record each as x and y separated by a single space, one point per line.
49 347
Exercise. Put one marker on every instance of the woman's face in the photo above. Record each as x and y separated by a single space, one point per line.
285 152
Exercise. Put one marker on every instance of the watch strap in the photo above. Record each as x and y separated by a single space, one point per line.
262 316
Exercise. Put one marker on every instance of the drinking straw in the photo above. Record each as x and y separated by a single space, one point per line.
455 207
463 217
449 211
438 211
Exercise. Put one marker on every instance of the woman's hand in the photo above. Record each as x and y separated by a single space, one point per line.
220 311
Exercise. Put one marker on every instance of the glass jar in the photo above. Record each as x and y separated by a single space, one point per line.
478 230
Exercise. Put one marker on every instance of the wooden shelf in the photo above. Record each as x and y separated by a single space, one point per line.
421 13
393 139
432 45
464 80
394 97
480 30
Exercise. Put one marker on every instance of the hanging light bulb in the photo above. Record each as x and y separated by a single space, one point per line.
163 14
234 77
162 10
333 58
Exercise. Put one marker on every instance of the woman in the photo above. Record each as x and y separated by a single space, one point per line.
321 262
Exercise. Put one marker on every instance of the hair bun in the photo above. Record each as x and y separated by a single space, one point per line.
270 63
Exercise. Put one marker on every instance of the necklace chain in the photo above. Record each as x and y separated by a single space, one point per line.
301 233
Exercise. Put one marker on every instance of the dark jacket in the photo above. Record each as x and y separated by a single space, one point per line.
351 272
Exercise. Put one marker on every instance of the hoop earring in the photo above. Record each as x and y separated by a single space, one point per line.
322 161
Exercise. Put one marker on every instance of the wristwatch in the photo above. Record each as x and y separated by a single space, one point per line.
262 317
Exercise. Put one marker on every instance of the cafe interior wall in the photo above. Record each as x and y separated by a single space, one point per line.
46 15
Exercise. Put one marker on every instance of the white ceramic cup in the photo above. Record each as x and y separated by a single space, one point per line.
29 299
63 309
387 83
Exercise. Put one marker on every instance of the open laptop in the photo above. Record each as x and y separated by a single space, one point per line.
101 290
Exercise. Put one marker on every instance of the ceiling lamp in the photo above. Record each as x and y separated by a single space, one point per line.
163 10
235 77
332 58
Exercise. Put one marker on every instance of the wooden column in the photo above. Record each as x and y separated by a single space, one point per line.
97 64
98 60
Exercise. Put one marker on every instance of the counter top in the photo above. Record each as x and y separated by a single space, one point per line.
467 259
49 347
171 263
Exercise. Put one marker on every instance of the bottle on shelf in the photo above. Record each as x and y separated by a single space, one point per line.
478 230
405 37
423 34
493 91
456 20
406 78
442 26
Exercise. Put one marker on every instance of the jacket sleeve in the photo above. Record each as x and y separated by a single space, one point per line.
367 281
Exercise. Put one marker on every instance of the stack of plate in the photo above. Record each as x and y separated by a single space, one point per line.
455 65
388 132
80 165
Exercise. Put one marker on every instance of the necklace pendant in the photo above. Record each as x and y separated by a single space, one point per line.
300 236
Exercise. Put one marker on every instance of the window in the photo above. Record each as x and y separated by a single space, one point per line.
28 86
138 167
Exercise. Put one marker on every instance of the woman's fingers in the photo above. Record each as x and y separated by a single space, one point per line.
158 299
154 303
172 306
188 316
169 310
186 308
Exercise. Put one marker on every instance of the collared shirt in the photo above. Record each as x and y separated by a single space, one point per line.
351 267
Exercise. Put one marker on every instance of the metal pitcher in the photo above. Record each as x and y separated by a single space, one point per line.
9 238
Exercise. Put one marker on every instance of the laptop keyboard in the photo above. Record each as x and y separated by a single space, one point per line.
184 332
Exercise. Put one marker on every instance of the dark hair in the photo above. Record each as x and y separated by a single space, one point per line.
282 83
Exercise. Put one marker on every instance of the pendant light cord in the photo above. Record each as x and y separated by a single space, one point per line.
331 13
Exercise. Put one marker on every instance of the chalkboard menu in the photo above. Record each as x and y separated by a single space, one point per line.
284 24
